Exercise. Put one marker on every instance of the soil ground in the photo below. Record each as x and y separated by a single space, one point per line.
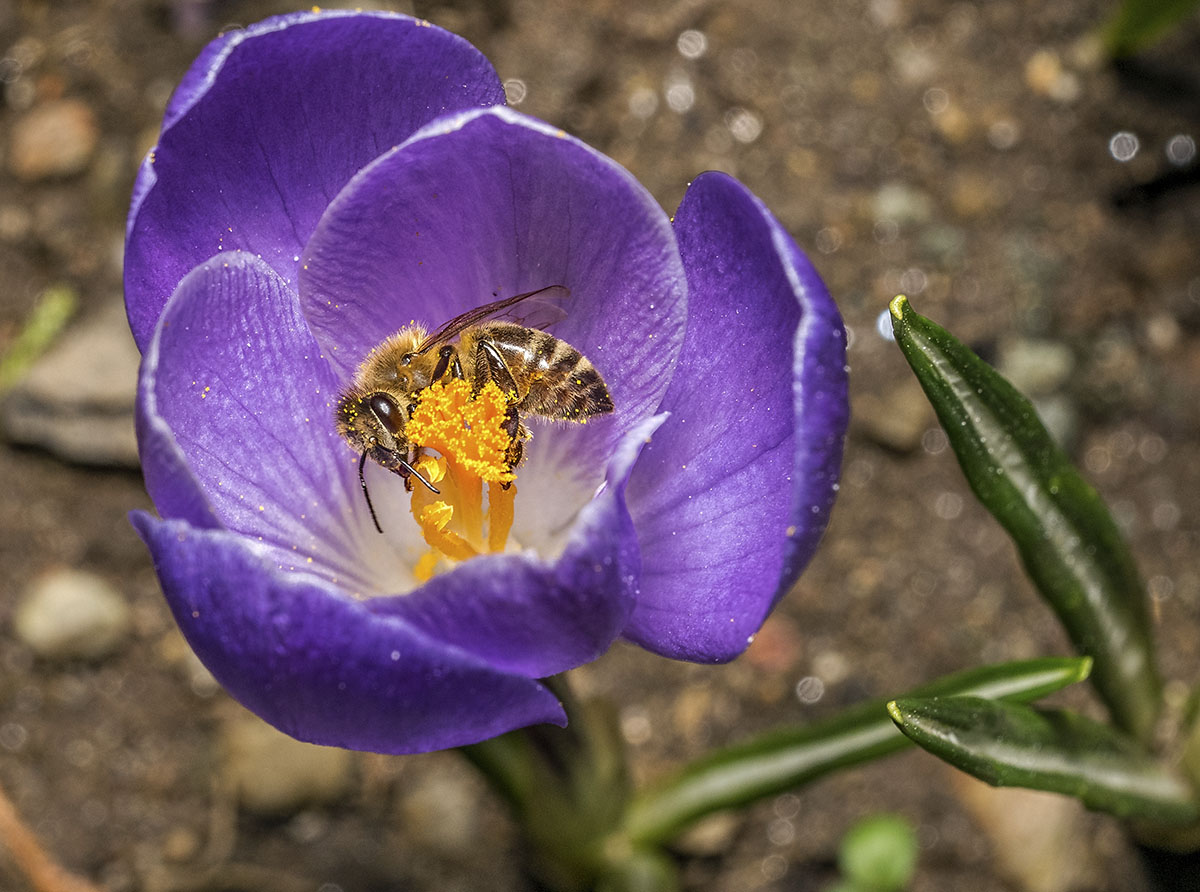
960 152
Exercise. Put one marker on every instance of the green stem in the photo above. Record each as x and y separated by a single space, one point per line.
787 758
568 790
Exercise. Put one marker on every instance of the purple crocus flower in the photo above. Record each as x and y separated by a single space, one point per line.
325 179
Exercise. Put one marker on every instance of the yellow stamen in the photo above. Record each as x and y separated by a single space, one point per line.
500 514
467 430
426 566
433 522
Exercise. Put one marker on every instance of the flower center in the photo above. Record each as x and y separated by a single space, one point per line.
467 430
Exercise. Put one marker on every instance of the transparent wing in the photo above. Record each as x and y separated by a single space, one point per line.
533 309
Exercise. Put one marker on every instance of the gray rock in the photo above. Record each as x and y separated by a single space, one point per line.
68 614
77 400
274 774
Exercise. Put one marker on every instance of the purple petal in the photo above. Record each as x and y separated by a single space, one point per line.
233 386
320 665
267 127
527 616
495 203
732 495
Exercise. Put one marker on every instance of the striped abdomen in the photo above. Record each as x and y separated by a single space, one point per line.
547 376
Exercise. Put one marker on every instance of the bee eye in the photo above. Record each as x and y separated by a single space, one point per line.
386 412
407 359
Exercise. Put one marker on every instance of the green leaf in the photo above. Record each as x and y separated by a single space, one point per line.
879 853
52 311
789 757
1014 745
1138 23
1069 544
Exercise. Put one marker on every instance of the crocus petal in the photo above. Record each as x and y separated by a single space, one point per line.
321 666
267 127
494 202
733 493
234 378
531 617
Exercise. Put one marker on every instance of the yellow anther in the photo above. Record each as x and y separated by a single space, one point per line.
465 428
467 432
433 520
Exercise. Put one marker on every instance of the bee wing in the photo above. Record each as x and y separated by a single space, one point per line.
537 310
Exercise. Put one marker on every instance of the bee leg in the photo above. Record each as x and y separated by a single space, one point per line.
447 361
490 366
517 436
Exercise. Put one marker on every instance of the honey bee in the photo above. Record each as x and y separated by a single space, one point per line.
538 373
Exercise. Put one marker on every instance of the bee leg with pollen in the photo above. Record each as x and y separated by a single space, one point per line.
447 362
490 366
517 435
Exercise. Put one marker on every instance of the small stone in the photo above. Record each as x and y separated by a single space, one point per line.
77 400
711 837
973 196
1034 835
54 139
1045 76
1035 367
441 812
1060 418
954 124
70 614
182 844
898 419
902 203
273 774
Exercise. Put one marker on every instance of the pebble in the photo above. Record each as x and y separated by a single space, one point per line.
711 837
1060 418
902 203
69 614
273 774
1034 366
53 140
181 844
1035 836
77 400
1046 76
898 419
442 810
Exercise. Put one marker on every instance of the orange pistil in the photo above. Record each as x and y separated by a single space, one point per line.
466 430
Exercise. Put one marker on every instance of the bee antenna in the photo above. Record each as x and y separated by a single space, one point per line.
433 489
362 481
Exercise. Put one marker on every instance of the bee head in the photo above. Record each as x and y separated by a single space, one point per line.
372 423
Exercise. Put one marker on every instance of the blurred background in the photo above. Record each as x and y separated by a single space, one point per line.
983 157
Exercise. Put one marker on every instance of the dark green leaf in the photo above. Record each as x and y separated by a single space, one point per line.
1138 23
1014 745
789 757
1071 548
